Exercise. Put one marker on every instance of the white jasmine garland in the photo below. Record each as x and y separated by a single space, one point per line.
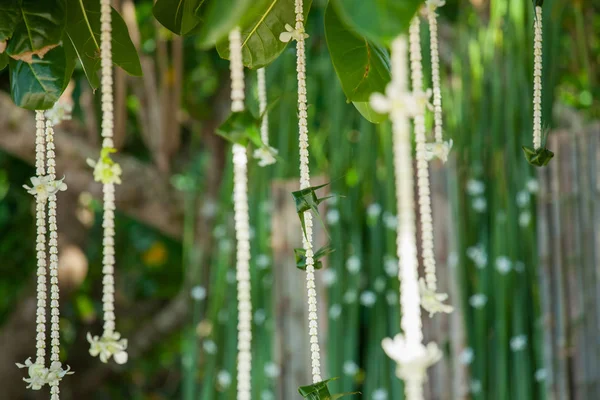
433 303
55 372
407 349
242 226
432 6
108 173
266 154
537 79
298 34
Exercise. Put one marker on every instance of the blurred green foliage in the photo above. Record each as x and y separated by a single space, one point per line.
487 90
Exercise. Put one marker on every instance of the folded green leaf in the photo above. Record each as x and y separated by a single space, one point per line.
260 36
306 200
241 128
320 391
37 85
380 21
39 31
300 255
362 67
83 31
178 16
10 16
539 157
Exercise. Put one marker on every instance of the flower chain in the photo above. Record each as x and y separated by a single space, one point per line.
242 226
537 79
435 68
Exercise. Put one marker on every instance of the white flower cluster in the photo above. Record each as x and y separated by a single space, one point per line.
44 188
242 227
109 173
537 79
110 344
433 303
266 154
39 375
298 34
408 350
413 361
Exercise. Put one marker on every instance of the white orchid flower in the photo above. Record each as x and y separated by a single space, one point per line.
292 34
43 187
438 150
265 155
395 100
432 301
412 359
37 374
109 345
56 372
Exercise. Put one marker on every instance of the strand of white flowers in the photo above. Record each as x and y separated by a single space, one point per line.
53 268
537 79
305 183
423 186
40 217
410 301
242 226
262 99
435 75
108 189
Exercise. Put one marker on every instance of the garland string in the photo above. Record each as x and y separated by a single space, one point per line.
242 226
537 79
431 301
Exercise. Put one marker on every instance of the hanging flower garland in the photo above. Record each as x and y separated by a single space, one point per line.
264 154
439 148
298 34
431 301
107 172
407 349
44 188
538 155
242 225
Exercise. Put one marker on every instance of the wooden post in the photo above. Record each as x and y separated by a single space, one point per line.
292 348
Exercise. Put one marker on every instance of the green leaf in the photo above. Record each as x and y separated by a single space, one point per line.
380 21
539 158
70 61
37 85
320 391
260 36
241 128
361 66
3 61
10 16
300 255
178 16
365 109
39 31
219 17
307 200
83 31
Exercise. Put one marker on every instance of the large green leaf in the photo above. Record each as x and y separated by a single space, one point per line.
260 36
219 17
365 109
178 16
37 85
3 61
10 16
378 20
83 31
362 67
39 31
